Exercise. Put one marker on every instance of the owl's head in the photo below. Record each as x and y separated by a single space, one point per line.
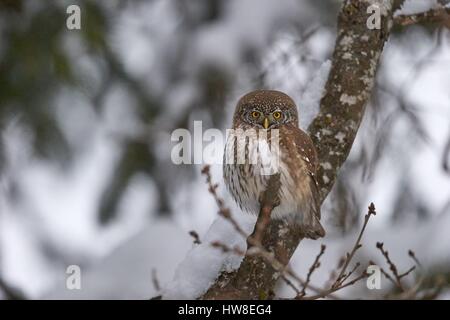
266 109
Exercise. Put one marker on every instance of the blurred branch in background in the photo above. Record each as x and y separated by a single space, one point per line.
446 157
9 292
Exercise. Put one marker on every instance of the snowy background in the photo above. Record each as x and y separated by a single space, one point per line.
86 117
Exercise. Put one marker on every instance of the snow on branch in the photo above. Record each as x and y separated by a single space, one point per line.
419 11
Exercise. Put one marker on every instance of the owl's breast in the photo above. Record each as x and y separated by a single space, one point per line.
247 181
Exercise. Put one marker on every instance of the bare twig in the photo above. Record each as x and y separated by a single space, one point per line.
342 277
385 273
327 293
196 237
404 274
357 245
223 210
348 275
333 273
392 266
291 284
155 281
413 256
314 266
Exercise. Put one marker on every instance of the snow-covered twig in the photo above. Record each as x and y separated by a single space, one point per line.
314 266
437 15
397 276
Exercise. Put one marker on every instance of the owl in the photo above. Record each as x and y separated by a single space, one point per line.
271 117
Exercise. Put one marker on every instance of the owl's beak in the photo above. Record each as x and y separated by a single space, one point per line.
266 123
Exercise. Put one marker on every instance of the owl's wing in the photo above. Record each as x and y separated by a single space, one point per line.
315 203
305 147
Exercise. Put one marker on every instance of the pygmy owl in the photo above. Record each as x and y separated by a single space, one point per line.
262 112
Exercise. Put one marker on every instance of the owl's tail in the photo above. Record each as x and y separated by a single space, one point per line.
314 230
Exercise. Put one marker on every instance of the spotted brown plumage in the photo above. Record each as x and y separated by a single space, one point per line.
258 115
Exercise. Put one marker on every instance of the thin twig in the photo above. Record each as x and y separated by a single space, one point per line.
155 281
327 293
357 265
291 284
385 273
357 245
391 264
196 237
223 210
413 256
314 266
407 272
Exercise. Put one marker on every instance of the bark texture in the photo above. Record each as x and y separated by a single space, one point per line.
355 61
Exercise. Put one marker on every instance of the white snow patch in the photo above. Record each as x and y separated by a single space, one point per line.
326 165
350 100
340 137
347 56
417 6
346 41
203 264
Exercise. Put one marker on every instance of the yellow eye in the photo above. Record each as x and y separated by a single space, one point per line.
277 115
255 114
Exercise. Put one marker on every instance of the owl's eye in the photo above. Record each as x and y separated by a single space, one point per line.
255 114
277 115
